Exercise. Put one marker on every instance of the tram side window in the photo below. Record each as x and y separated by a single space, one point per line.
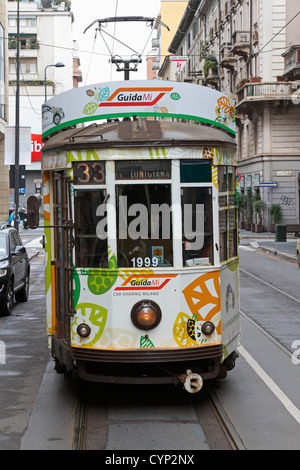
144 225
90 251
197 226
227 212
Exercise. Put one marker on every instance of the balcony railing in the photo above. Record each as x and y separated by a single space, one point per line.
227 59
292 62
241 43
265 91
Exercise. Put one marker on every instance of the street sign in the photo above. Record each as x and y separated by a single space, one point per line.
268 185
238 177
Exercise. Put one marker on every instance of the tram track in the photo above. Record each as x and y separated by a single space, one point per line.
208 399
270 285
80 423
270 303
230 431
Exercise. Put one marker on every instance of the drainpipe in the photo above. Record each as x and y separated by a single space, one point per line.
251 33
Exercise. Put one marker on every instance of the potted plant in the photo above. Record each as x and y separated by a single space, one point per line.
255 79
242 83
258 209
210 66
276 213
242 204
249 210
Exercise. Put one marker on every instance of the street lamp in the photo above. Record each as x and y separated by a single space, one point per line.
59 64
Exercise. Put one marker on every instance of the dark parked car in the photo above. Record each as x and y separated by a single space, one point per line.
14 270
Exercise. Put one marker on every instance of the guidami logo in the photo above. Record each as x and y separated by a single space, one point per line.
135 97
146 282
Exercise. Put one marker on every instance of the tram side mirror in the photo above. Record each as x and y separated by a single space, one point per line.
33 210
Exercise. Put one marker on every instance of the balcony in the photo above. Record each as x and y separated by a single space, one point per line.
292 63
252 94
241 43
227 58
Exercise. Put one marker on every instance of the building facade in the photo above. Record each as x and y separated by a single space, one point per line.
171 12
4 177
46 39
249 49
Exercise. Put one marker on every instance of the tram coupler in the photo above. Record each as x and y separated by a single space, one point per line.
192 382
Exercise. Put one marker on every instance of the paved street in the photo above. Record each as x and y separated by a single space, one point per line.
266 242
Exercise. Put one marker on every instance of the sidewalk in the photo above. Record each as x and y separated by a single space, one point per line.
266 242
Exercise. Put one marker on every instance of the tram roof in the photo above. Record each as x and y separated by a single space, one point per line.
139 133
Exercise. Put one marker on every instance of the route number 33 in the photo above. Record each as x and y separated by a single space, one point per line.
89 173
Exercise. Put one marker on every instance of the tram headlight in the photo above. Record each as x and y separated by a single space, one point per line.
146 315
83 330
208 328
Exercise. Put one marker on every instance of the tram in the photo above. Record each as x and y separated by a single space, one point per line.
141 232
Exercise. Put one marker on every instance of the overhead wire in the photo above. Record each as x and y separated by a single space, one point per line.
113 46
91 57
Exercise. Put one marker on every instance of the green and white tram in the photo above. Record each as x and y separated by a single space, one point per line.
142 268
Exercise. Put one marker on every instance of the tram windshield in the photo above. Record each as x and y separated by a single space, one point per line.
147 201
197 226
144 225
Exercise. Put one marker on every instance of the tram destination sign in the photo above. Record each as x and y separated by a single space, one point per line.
109 100
146 170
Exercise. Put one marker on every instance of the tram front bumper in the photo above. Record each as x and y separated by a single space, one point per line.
150 365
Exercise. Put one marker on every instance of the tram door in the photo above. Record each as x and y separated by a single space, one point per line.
63 264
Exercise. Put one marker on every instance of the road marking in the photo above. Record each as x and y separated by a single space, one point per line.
291 408
277 258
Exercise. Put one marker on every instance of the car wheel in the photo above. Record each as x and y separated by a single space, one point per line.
7 305
23 294
298 259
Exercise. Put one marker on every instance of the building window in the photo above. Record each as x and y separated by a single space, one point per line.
27 21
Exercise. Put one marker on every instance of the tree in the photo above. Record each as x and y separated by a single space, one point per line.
276 212
242 204
249 209
258 209
210 63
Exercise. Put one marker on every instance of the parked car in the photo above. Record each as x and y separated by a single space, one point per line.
14 270
298 251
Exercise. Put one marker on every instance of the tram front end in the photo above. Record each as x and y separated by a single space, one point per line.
142 274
